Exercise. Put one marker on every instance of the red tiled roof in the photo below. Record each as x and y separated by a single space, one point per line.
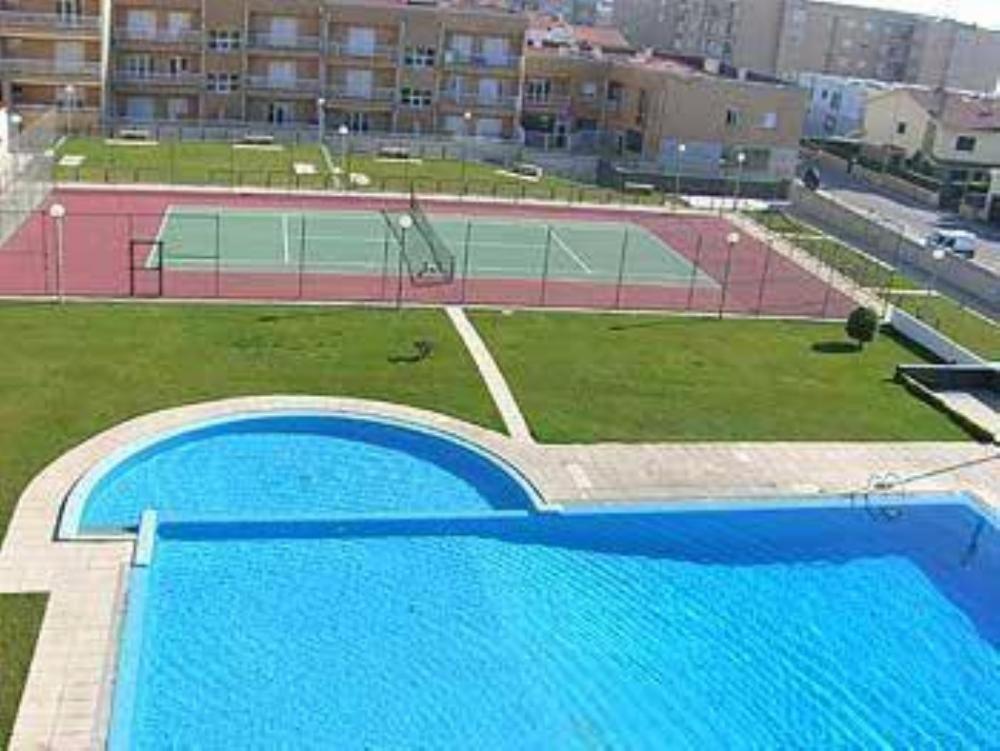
960 111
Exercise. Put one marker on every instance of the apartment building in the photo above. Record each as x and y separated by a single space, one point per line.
861 42
675 111
837 104
50 54
789 37
372 65
740 32
391 66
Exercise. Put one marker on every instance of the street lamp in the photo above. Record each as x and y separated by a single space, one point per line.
69 100
681 148
405 224
732 240
938 255
467 122
321 117
343 131
58 214
741 159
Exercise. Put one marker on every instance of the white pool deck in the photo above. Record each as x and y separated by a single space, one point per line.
67 697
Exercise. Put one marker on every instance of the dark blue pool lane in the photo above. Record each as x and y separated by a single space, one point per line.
301 465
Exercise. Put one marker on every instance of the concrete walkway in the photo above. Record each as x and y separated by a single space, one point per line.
502 396
66 703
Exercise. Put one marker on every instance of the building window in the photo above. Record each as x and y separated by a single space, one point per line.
537 89
222 83
769 120
223 41
588 89
416 98
965 143
734 118
419 57
900 129
836 100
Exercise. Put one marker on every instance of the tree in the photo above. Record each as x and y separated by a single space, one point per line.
862 325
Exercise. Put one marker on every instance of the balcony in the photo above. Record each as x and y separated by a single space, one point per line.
375 96
158 79
383 53
47 68
478 100
481 60
159 36
546 103
286 86
50 23
266 41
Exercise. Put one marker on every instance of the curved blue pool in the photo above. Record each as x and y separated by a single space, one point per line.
295 465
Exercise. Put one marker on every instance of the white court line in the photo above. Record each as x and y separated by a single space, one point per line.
569 251
155 250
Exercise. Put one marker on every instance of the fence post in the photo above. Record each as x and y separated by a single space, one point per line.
58 213
763 278
731 241
385 264
218 254
129 258
621 270
302 255
545 261
465 258
694 271
829 290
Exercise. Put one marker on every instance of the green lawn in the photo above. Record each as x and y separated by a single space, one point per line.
642 378
72 371
20 621
957 323
191 162
216 163
779 222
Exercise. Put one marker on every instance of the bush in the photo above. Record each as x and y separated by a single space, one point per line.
862 325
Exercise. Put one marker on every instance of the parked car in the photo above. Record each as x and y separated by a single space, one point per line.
958 242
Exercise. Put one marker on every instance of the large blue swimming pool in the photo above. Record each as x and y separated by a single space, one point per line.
832 626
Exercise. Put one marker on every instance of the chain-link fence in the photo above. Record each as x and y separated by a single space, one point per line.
502 256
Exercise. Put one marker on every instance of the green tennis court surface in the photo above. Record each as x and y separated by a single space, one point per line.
361 243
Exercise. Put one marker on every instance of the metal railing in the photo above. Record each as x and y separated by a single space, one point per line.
378 52
159 36
299 85
48 67
158 78
265 40
55 21
478 99
480 60
547 102
379 94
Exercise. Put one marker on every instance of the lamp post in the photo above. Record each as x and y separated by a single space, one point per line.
741 160
681 148
69 101
732 240
466 122
321 117
405 223
938 255
58 214
344 132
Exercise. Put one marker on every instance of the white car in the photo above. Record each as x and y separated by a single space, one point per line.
959 242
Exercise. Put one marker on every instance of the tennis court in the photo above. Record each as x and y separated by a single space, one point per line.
367 243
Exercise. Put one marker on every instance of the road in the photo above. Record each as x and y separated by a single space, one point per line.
919 220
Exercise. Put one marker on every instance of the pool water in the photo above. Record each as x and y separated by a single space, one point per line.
297 465
831 627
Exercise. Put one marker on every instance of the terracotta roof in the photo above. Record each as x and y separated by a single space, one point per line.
960 111
607 37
